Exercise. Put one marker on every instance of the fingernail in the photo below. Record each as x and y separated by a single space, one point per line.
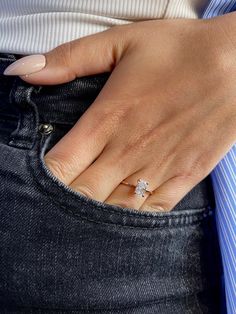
160 209
26 65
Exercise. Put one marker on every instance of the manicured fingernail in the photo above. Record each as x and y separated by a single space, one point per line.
26 65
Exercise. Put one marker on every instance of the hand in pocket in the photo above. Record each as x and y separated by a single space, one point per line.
163 115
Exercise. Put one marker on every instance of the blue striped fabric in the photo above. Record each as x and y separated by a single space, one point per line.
224 184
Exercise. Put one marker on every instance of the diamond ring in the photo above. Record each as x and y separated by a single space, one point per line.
140 188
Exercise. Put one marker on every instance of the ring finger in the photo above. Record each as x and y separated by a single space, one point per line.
131 197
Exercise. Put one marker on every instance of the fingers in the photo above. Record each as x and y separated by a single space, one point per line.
79 148
100 179
88 55
125 195
167 190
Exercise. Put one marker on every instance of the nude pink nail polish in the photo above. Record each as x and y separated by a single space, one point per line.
26 65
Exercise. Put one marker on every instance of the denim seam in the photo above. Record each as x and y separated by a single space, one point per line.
22 141
147 303
12 120
17 138
73 214
101 208
199 216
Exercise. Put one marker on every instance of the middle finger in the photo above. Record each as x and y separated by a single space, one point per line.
102 177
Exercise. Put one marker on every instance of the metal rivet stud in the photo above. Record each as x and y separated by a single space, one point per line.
45 128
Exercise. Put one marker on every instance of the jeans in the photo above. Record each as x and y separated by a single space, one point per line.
62 252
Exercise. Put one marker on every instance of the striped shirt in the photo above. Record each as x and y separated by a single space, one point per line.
224 184
28 27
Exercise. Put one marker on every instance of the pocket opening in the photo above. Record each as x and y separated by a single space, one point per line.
81 207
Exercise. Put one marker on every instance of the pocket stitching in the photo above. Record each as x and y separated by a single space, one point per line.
199 216
171 220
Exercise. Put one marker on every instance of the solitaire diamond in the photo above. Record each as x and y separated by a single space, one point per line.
141 187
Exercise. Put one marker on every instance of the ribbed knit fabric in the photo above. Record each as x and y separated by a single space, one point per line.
28 27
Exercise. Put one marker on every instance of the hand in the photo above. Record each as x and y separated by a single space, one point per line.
166 114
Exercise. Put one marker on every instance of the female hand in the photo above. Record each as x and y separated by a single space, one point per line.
166 114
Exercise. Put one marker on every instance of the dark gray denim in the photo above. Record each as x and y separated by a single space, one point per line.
61 252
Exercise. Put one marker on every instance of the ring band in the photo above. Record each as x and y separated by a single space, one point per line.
140 188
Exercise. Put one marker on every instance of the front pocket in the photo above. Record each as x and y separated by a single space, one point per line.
81 207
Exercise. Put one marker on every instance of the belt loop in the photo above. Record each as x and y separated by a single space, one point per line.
25 134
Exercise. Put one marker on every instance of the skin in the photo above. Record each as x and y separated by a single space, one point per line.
166 114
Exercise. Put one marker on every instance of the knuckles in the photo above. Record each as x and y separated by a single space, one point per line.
57 167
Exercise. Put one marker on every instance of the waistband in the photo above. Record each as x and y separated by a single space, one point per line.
62 103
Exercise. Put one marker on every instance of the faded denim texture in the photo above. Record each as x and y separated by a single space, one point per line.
61 252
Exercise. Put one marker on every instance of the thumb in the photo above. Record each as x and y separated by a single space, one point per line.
88 55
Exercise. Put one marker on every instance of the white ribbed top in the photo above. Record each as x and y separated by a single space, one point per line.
31 26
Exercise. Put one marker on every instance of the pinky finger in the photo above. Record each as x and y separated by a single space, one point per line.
167 195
